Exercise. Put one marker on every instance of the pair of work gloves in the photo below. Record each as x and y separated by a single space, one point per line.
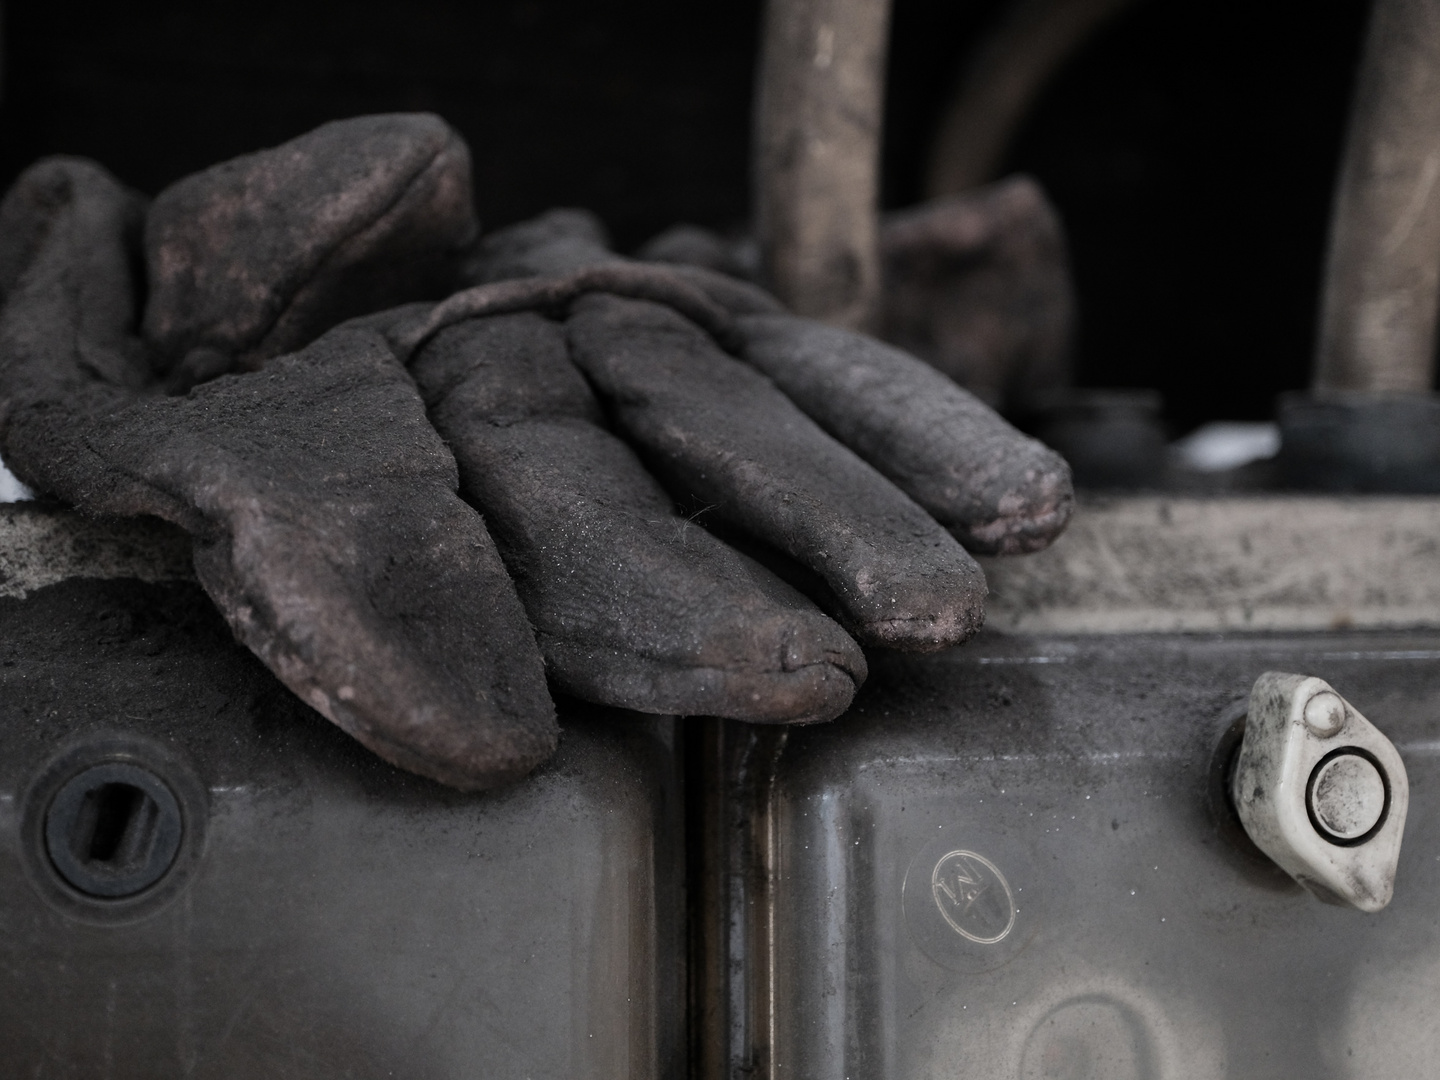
426 472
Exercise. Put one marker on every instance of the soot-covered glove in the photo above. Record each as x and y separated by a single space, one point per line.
323 506
823 451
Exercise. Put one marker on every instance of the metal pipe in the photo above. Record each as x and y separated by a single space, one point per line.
1382 282
817 155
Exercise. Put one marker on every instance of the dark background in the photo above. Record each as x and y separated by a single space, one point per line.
1191 145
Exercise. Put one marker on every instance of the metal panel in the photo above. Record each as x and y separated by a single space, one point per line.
1016 860
337 917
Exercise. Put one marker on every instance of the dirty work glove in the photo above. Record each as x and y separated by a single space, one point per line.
327 528
625 595
632 604
231 247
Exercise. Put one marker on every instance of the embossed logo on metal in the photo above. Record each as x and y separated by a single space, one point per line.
973 897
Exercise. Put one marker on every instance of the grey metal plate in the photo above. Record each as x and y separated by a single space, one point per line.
1145 936
343 918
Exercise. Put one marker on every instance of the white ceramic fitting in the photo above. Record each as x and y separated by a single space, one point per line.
1321 791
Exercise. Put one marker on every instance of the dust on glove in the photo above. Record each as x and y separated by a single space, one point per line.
322 503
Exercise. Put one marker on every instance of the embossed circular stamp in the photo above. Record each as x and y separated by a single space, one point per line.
973 897
962 910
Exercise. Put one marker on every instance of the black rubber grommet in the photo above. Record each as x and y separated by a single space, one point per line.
113 830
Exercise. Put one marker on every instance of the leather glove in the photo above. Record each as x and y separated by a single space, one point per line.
322 503
847 463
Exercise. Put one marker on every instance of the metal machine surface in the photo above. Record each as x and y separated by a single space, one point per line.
316 912
1018 859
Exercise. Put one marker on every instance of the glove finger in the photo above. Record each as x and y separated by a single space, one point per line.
257 256
723 432
322 503
633 606
996 490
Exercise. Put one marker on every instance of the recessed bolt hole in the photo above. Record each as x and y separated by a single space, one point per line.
1347 797
113 830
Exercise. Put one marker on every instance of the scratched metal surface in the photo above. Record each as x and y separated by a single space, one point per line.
1009 861
344 919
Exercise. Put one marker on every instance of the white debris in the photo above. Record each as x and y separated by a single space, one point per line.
1227 444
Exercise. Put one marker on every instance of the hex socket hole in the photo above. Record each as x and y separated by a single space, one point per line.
113 830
